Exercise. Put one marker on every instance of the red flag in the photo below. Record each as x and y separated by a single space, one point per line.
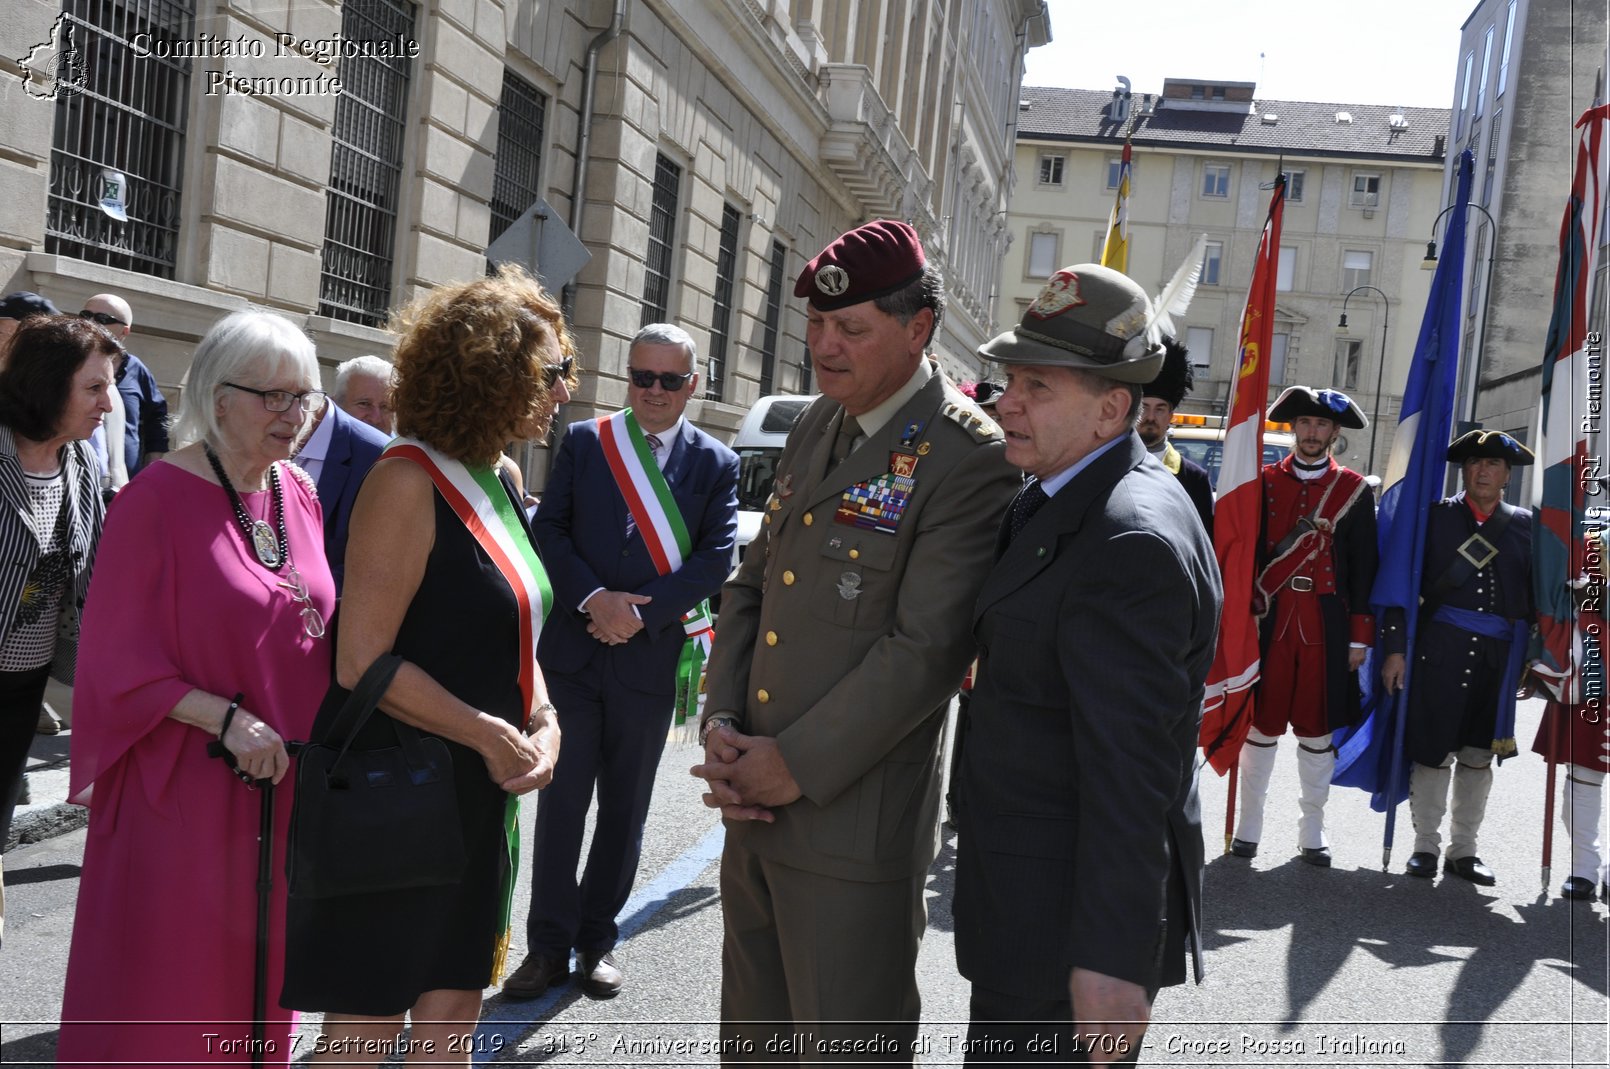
1227 708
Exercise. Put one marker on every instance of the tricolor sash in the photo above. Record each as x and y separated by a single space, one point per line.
654 509
477 497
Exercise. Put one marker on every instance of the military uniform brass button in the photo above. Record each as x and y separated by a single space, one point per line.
808 520
788 578
771 638
766 519
855 554
762 697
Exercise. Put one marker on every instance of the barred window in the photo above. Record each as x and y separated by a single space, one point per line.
360 227
119 114
715 382
774 316
517 170
661 236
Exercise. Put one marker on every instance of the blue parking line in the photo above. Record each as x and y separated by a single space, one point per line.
502 1029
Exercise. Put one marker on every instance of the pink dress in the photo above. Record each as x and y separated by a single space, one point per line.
164 938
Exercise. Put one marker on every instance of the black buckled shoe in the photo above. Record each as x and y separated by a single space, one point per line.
1472 869
536 974
1577 887
1242 848
1421 864
1318 856
600 976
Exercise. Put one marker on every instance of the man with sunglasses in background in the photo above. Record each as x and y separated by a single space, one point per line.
636 529
146 410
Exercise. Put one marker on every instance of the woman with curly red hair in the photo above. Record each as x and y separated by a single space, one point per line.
441 571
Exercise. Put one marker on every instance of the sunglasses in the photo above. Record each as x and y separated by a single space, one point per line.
101 317
669 381
555 372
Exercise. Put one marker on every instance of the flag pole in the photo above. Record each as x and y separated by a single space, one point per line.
1548 798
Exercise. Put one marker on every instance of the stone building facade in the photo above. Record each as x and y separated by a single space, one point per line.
716 145
1364 183
1526 70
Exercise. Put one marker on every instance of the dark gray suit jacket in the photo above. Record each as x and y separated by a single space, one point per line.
1080 830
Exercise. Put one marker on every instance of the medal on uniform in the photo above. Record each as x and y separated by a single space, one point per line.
785 485
849 586
913 429
923 449
876 504
265 544
902 464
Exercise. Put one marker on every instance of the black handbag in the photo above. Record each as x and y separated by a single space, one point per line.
368 821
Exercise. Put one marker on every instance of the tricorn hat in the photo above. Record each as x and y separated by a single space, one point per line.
1333 405
1090 317
1176 379
871 261
1479 443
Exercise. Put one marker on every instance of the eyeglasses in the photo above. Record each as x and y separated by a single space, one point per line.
281 400
669 381
101 317
555 372
312 619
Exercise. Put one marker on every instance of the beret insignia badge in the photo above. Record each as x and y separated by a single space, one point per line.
1059 295
832 280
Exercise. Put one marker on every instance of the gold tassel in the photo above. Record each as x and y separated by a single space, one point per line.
500 957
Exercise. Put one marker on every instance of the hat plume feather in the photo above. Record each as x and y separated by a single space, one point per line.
1176 296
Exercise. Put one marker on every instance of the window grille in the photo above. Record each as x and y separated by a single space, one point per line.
661 233
517 170
125 112
715 382
774 316
360 226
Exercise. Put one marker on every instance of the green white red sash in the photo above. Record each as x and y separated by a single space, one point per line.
477 497
648 497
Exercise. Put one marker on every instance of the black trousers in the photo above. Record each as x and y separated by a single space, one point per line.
1008 1030
20 695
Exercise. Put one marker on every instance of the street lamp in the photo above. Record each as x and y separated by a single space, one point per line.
1380 368
1473 368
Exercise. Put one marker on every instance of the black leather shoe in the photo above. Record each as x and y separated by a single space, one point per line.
600 977
1472 869
536 974
1421 864
1318 856
1577 887
1242 848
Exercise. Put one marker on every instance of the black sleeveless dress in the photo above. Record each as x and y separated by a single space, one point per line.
376 954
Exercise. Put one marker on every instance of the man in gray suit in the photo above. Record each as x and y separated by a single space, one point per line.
841 639
1079 865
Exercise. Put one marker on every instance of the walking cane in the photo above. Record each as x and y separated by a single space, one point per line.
265 885
1229 806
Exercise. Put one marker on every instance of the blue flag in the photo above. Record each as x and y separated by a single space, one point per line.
1370 756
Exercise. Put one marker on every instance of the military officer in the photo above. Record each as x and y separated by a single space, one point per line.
841 639
1475 611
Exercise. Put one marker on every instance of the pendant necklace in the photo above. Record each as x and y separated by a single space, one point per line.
267 543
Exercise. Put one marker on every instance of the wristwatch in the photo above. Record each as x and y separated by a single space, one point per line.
715 722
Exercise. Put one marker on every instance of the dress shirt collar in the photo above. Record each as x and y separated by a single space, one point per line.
1065 476
873 421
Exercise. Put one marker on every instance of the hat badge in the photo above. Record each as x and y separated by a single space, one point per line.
832 280
1059 295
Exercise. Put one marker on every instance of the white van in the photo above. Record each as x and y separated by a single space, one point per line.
759 445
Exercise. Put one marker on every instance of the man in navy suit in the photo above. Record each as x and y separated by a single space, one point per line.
610 650
338 453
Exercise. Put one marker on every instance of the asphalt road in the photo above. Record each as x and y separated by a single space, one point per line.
1347 966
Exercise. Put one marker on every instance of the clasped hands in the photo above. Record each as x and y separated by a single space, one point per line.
522 763
746 774
610 616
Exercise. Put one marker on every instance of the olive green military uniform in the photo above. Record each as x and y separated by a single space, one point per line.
843 635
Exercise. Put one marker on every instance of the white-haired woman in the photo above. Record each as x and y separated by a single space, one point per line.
205 621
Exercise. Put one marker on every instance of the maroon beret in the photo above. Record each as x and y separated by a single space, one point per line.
871 261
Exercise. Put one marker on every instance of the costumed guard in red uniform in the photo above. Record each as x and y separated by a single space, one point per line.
1584 746
1318 558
